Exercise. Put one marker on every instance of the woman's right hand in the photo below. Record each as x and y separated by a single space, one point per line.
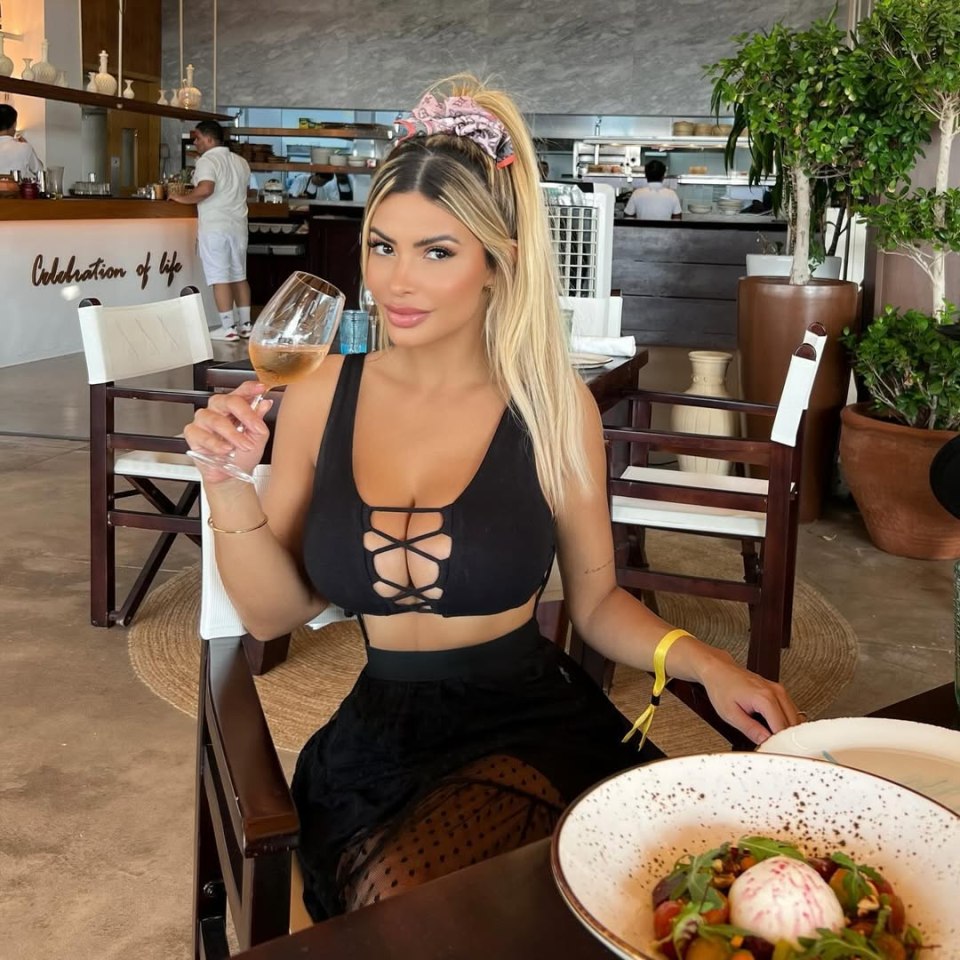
215 430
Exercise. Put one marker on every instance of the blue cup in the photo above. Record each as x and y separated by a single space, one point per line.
354 327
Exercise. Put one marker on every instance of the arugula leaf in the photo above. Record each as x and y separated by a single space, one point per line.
762 848
685 927
837 946
698 872
726 930
856 883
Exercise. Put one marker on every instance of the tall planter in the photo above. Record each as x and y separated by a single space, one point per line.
772 317
887 467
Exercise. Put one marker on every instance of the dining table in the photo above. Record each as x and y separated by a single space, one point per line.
607 382
505 908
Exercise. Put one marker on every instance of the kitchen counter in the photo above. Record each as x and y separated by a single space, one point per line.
709 221
95 208
679 278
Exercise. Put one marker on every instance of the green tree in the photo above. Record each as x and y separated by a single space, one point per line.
820 120
915 45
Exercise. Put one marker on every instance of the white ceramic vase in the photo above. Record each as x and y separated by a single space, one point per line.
62 78
103 81
43 70
190 96
174 97
6 64
709 379
128 93
27 72
92 85
162 99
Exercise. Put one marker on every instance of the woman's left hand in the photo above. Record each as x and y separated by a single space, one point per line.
737 694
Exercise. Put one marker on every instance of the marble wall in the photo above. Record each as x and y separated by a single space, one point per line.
609 56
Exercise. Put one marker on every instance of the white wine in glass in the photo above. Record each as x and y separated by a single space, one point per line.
290 339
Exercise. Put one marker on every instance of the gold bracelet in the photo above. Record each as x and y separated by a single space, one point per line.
217 529
644 721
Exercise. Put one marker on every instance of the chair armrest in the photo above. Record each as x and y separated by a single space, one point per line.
264 816
691 400
146 441
722 448
199 398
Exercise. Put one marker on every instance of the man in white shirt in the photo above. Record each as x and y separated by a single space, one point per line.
220 192
654 201
16 155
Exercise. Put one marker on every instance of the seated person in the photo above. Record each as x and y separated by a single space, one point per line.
16 155
428 487
654 201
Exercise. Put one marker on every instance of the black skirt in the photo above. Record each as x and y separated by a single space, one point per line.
413 718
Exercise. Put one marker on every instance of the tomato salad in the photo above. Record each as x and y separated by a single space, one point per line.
761 899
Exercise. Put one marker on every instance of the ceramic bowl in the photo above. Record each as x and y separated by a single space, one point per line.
700 207
287 227
622 836
356 162
276 227
255 227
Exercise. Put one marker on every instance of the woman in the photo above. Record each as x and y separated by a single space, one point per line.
426 487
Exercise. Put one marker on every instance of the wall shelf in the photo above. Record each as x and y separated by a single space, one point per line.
347 132
49 91
310 168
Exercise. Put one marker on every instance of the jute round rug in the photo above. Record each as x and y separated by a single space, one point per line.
302 693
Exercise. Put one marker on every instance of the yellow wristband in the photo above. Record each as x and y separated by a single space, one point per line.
644 721
217 529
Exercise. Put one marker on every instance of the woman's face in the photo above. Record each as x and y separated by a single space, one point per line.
426 271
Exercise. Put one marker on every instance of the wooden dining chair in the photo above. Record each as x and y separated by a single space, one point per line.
121 343
750 510
246 825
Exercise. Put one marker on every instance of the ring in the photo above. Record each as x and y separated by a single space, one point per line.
802 714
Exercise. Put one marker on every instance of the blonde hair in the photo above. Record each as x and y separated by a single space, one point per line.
524 333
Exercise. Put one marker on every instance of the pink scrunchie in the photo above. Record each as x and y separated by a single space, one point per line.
459 117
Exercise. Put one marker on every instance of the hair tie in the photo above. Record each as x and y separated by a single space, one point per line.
458 117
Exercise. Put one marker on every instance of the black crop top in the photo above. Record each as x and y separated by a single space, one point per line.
500 528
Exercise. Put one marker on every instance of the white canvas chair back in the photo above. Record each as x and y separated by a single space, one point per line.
218 616
137 340
797 387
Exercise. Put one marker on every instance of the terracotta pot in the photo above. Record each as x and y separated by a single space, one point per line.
772 317
887 467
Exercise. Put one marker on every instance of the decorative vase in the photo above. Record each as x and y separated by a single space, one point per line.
92 85
62 78
162 99
189 95
174 97
105 83
27 72
6 64
128 93
709 380
43 70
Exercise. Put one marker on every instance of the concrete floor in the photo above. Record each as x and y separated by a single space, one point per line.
96 773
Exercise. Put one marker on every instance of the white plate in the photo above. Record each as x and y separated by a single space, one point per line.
918 755
589 361
622 836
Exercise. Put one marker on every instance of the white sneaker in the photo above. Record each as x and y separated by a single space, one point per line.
245 330
230 333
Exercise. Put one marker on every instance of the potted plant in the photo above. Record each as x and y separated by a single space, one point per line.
909 369
816 122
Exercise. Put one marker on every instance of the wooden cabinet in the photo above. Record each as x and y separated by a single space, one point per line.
142 53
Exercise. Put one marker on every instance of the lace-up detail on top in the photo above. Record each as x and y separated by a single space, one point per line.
461 559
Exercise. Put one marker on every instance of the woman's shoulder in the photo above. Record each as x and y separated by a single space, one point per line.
306 404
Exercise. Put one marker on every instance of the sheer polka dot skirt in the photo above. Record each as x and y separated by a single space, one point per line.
488 807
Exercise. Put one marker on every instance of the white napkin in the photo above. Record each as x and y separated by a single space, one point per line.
605 346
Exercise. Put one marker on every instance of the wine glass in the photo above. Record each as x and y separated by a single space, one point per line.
289 340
